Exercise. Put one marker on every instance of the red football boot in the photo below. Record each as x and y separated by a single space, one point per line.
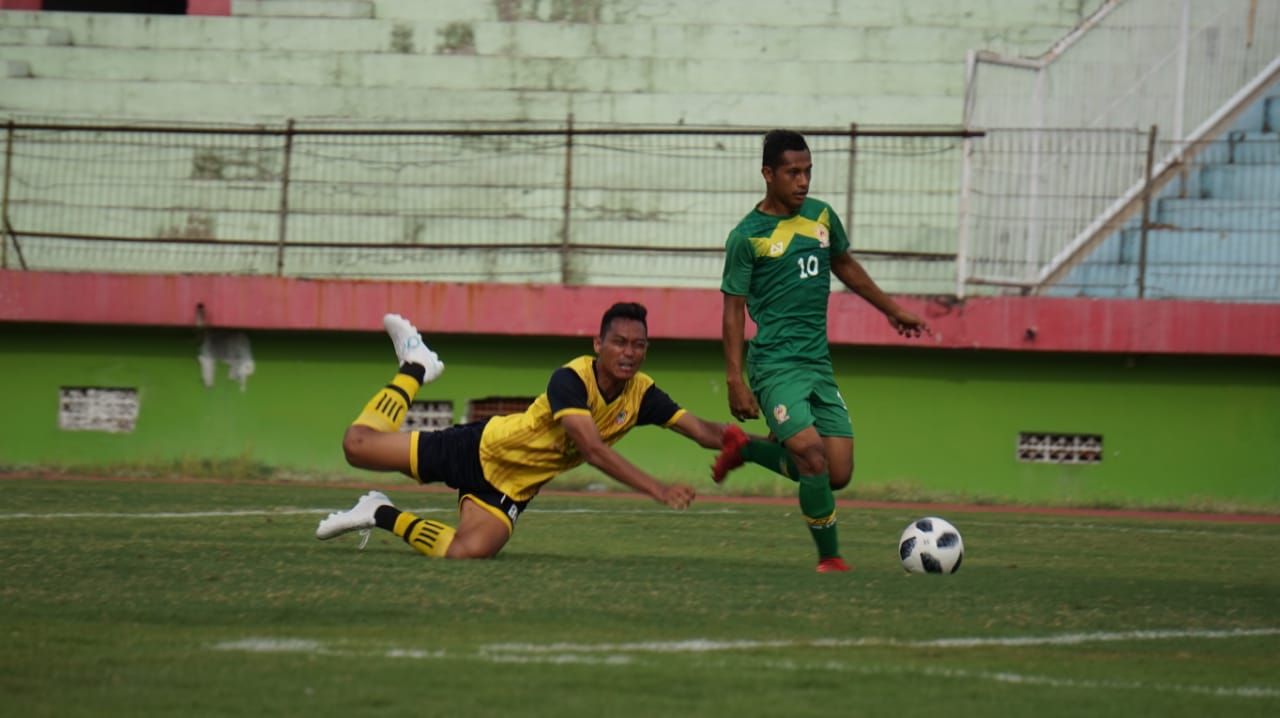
832 565
730 456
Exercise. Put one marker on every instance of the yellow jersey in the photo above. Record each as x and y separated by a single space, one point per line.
521 452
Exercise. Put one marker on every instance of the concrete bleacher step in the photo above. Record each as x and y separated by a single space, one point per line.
1099 280
172 65
33 35
1243 182
727 40
303 8
532 266
1187 264
74 255
1242 147
1189 247
442 11
252 102
738 40
1215 282
351 69
1050 19
1223 214
183 32
1252 148
15 68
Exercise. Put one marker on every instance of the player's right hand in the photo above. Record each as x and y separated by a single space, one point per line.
742 403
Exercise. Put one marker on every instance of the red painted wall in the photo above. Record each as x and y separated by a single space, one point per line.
194 7
1060 325
208 7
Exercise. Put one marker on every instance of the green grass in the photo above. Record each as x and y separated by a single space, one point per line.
119 600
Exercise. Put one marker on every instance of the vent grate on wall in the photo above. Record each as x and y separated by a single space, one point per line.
95 408
1039 447
428 416
478 409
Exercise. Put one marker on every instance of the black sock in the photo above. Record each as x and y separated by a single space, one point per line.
417 371
384 517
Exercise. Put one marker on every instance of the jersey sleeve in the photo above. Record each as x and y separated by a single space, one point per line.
739 256
839 238
566 393
658 409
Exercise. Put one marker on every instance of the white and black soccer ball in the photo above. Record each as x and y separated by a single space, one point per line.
931 545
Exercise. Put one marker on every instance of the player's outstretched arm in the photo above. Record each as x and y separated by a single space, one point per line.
733 332
707 434
582 430
852 275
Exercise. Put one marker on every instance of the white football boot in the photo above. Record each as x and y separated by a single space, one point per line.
410 348
356 518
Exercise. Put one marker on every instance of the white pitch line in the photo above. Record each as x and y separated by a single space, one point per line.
1183 529
314 512
182 514
704 646
617 654
1035 680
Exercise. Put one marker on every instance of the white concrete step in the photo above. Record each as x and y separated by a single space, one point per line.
520 266
567 41
443 11
212 32
344 9
797 78
14 68
1054 16
245 102
128 64
31 35
748 43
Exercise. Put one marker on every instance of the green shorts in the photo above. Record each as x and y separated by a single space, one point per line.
793 399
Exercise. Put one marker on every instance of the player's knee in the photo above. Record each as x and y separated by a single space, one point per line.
464 548
841 479
355 444
811 460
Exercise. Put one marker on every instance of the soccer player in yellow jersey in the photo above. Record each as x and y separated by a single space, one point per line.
498 465
778 266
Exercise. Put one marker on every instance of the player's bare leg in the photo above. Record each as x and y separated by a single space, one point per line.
374 441
839 453
368 448
817 503
480 533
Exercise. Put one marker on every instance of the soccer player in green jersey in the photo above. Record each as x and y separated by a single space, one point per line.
778 266
498 465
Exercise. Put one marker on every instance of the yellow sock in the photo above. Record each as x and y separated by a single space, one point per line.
387 409
431 538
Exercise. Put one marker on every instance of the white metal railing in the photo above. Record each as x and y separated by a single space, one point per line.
1178 68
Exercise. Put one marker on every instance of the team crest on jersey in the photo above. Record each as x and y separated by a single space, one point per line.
780 413
621 418
776 249
824 236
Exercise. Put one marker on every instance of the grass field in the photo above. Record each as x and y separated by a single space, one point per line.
144 598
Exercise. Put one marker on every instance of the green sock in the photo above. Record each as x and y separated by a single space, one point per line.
772 456
818 505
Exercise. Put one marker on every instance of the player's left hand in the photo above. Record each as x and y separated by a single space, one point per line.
677 496
908 324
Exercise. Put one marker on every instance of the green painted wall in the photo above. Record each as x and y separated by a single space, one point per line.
941 424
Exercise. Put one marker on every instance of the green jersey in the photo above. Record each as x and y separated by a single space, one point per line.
782 265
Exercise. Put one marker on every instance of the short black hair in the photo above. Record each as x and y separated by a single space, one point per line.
624 310
778 141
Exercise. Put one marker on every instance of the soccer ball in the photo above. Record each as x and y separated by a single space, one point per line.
930 545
